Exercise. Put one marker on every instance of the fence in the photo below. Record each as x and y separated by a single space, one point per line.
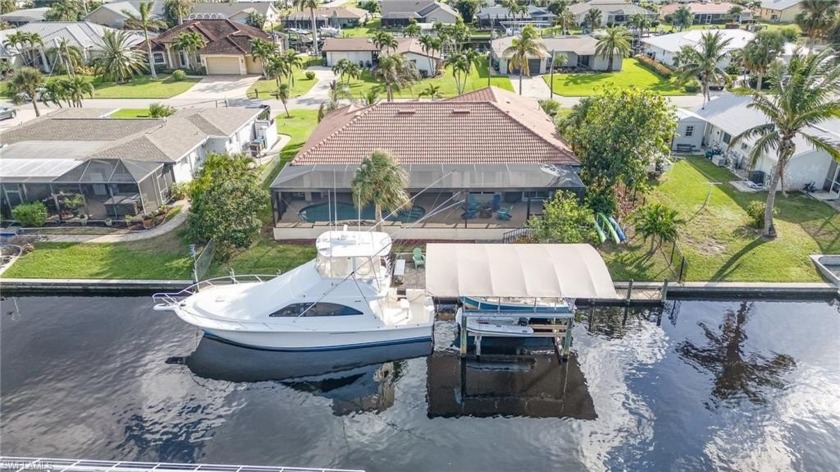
676 261
513 235
203 260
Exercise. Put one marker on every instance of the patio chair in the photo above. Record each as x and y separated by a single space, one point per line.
419 258
469 214
496 203
503 214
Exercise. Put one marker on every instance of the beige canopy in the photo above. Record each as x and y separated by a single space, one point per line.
517 270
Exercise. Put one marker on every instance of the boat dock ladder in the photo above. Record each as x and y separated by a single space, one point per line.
21 464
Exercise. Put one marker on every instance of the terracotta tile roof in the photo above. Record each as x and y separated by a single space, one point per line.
488 126
220 36
697 8
329 12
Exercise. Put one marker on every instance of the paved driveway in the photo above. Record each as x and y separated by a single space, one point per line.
217 87
24 114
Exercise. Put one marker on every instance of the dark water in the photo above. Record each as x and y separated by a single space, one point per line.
699 386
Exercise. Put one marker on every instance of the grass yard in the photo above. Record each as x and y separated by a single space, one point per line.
130 113
267 86
265 257
632 74
718 239
141 87
476 80
365 31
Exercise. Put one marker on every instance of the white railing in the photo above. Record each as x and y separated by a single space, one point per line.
167 300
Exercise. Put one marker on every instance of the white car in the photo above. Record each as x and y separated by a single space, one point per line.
7 113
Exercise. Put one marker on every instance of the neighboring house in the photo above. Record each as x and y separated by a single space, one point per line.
664 48
730 115
113 14
333 17
613 12
82 34
22 17
399 13
235 11
579 51
690 130
484 146
363 52
494 16
781 11
227 49
120 166
8 52
706 13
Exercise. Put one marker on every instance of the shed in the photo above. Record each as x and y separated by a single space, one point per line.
690 130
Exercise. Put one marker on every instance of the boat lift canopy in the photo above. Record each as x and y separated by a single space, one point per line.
517 270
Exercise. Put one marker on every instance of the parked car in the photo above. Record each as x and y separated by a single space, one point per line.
7 113
24 97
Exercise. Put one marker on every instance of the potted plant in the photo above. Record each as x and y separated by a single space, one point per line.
148 222
128 218
83 218
109 222
74 201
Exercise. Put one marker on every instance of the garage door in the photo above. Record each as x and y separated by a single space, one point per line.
534 66
223 66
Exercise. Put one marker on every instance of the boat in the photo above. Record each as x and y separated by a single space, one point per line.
342 299
497 326
517 304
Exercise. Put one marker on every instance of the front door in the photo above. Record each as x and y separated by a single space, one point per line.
832 181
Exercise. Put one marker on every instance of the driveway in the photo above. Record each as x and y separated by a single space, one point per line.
24 114
534 87
319 93
217 87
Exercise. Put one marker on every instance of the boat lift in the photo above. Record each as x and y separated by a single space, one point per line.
518 271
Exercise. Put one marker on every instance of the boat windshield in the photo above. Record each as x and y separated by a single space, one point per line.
337 267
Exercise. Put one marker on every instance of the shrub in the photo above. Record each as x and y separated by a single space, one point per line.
30 214
790 34
657 67
755 210
564 220
179 75
550 107
655 221
310 75
692 87
179 191
159 110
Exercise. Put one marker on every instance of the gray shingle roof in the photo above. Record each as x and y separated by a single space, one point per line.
228 9
80 33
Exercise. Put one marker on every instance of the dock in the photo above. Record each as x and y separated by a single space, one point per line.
21 464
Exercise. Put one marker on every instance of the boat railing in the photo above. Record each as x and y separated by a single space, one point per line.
168 300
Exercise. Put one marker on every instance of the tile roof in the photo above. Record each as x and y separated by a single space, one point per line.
229 9
610 6
489 126
779 4
412 8
582 45
220 36
329 12
404 45
698 8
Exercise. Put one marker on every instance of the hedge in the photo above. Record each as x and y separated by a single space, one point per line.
654 66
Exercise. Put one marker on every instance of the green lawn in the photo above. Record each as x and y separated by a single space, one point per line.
130 113
141 87
265 257
476 80
267 86
718 240
632 74
366 31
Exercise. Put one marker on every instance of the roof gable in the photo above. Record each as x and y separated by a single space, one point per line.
220 36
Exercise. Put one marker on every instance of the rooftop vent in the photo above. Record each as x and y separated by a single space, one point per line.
461 111
406 111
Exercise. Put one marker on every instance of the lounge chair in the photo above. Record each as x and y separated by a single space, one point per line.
503 214
419 258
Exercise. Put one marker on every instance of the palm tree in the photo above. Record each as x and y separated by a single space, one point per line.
118 61
25 43
639 23
461 64
293 61
412 30
525 46
277 67
384 40
703 61
615 41
802 96
592 19
657 222
26 80
256 19
564 20
429 44
346 68
67 54
189 42
337 92
176 10
371 96
261 50
816 18
283 93
311 5
380 180
735 13
64 10
76 88
431 91
683 17
395 72
159 110
145 21
53 92
762 51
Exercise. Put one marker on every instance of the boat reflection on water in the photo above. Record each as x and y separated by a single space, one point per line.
354 379
535 386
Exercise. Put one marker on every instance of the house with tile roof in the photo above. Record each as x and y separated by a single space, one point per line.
119 166
498 15
613 12
578 49
332 17
399 13
226 51
235 11
466 158
363 52
706 12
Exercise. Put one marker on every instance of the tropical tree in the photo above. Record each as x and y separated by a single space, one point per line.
564 220
75 89
658 223
395 72
429 45
432 91
816 18
25 43
639 23
564 20
461 65
276 67
261 50
614 41
53 92
283 93
384 40
412 30
189 42
467 8
592 19
64 10
118 61
337 92
293 62
683 17
735 13
802 96
311 5
146 21
256 19
527 45
176 10
381 181
346 68
160 110
762 51
703 61
66 54
26 80
370 96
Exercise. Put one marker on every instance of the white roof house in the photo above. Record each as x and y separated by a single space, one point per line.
784 11
113 14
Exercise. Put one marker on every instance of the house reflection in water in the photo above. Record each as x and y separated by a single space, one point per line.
534 386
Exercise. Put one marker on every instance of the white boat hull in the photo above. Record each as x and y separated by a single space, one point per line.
321 341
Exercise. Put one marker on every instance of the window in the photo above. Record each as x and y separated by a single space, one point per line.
315 309
689 131
158 58
727 137
183 58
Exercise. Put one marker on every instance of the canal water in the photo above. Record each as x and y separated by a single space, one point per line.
695 386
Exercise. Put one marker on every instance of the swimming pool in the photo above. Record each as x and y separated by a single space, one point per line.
347 211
